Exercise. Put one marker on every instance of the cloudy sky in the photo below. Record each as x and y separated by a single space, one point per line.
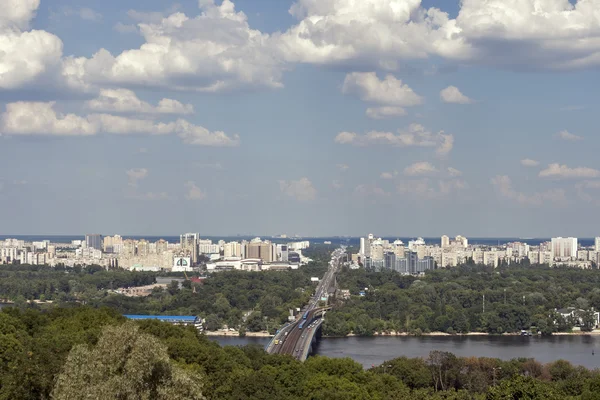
310 117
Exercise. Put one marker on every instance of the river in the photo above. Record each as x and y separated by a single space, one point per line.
375 350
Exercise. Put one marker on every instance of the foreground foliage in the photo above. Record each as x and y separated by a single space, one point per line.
89 353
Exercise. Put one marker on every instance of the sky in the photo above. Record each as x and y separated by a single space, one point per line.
308 117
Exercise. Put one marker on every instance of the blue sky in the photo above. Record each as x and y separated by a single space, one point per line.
329 117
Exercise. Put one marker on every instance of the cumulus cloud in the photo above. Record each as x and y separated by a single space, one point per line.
389 91
452 95
27 118
388 175
194 192
135 175
378 33
302 190
420 168
416 135
214 51
25 56
126 101
564 172
503 185
566 135
541 34
527 162
34 118
17 13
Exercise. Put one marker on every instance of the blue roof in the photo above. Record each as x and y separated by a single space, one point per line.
189 318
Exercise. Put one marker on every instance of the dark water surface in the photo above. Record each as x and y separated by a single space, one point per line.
375 350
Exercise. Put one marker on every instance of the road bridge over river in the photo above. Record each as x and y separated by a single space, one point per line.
296 338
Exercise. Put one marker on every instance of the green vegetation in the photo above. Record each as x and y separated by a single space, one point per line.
32 282
82 352
451 300
246 301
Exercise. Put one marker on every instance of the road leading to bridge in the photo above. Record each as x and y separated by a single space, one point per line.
296 337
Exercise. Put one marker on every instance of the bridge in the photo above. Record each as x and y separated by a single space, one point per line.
297 338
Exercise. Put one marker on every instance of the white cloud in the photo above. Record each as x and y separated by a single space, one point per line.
416 135
389 91
23 118
452 95
25 56
30 118
504 187
135 175
566 135
527 162
302 190
126 101
377 33
420 168
215 51
562 171
18 13
526 34
385 112
388 175
194 192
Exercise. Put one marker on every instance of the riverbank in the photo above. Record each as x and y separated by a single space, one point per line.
437 334
228 333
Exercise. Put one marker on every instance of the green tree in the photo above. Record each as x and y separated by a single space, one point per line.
125 364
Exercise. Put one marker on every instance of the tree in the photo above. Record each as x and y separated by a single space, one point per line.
125 364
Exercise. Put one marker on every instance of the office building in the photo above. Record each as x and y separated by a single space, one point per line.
94 241
189 244
445 242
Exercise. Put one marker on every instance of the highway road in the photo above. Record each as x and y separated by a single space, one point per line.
294 337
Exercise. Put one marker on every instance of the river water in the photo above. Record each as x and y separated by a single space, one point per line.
375 350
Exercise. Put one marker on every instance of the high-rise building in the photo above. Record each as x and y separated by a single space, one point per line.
189 243
445 242
94 241
564 248
597 244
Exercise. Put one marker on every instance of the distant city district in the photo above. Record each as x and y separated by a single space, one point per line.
142 255
417 257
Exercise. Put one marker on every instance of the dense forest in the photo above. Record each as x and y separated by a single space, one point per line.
248 301
452 300
81 352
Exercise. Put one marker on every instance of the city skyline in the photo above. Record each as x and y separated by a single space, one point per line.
333 117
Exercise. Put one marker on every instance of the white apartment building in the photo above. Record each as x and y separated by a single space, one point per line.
564 248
